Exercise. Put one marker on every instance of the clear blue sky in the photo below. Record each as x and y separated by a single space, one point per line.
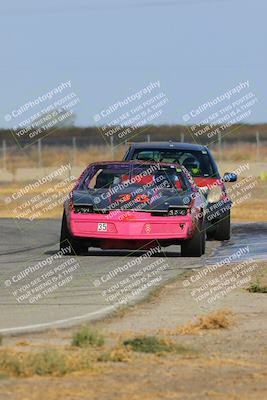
111 48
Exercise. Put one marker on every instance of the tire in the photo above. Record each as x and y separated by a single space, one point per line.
195 246
223 228
211 234
204 234
66 239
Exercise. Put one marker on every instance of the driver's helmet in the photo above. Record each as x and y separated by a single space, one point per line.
192 165
157 156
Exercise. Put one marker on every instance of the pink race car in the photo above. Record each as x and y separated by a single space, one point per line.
134 205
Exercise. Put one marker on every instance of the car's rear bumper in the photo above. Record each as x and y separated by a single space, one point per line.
131 225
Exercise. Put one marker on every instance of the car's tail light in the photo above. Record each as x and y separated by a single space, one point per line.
71 205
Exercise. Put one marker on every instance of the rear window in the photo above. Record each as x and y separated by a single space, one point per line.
197 162
108 176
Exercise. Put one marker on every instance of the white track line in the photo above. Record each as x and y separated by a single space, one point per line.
58 322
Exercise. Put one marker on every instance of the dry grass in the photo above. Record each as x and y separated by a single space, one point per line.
83 156
240 152
252 210
47 362
257 288
154 345
23 343
86 337
87 353
65 360
220 319
119 353
53 360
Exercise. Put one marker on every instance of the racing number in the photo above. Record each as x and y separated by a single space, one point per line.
102 227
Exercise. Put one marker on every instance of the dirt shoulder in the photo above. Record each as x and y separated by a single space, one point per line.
225 363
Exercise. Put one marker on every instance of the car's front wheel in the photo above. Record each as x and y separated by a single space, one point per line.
223 228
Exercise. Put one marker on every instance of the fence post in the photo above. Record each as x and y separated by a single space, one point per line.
220 145
4 155
112 147
40 153
74 151
182 137
258 144
148 137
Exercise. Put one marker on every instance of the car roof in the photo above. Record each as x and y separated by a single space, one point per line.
168 145
135 162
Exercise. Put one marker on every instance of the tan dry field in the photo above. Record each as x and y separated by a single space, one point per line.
251 209
83 156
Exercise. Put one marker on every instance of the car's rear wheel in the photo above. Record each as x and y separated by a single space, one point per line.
67 240
195 246
223 228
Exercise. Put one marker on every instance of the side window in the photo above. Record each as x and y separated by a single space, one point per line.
103 180
92 183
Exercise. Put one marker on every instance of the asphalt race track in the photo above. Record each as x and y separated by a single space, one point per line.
83 288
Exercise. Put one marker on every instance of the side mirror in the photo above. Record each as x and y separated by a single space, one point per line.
230 177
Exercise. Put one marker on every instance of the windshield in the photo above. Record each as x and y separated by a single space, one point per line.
132 176
197 162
